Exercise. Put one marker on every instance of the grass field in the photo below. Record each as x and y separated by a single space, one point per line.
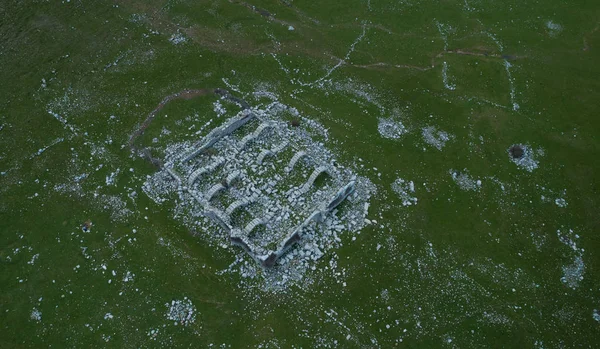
494 252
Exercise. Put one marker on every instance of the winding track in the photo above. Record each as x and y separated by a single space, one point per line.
186 94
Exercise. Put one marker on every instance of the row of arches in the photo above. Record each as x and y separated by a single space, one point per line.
306 187
270 152
254 135
238 204
299 155
203 170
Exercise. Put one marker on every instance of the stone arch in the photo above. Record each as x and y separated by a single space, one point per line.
239 203
179 184
306 187
237 238
214 190
263 154
299 155
253 224
290 241
195 175
271 152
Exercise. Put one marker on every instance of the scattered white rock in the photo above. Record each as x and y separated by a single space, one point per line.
177 39
445 79
572 273
36 315
434 137
560 202
128 277
464 180
110 179
553 28
33 259
183 312
405 190
596 315
390 128
219 109
153 333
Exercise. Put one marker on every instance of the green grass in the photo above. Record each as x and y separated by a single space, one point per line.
446 268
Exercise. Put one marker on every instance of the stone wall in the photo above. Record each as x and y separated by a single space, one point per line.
340 196
215 135
320 204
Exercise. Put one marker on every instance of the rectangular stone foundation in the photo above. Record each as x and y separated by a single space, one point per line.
242 172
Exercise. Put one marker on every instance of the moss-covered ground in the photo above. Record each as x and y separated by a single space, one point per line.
462 268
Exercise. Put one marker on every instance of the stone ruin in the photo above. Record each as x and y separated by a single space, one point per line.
239 177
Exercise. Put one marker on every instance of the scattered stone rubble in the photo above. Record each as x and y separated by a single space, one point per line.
36 315
391 128
405 190
266 185
526 158
182 312
434 137
465 181
596 315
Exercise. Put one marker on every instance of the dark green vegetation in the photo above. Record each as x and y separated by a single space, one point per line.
462 268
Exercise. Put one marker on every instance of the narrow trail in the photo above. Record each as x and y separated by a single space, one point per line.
186 94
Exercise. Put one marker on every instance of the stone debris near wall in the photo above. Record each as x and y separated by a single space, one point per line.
267 186
596 315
